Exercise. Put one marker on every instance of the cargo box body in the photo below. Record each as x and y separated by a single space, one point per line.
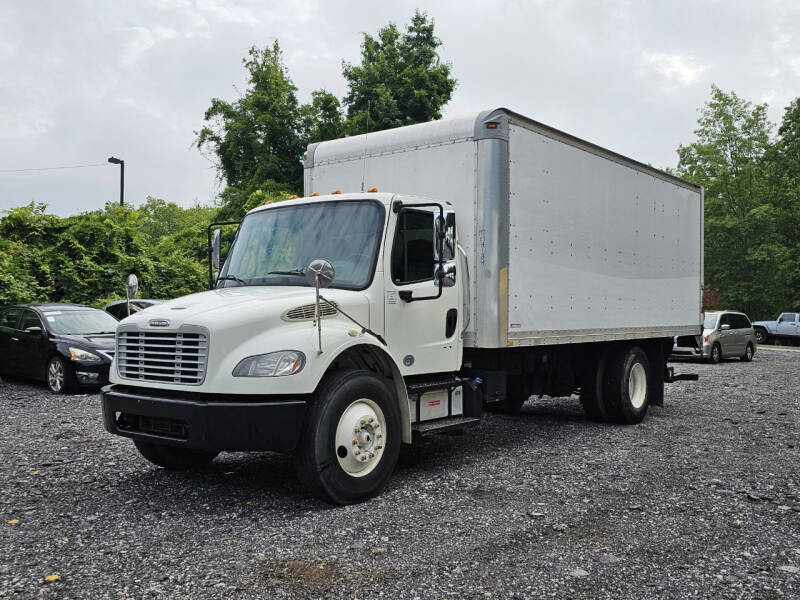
567 242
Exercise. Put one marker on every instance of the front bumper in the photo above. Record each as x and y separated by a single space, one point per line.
204 421
90 373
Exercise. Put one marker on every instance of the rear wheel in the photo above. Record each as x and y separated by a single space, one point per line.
351 438
591 392
173 457
748 354
627 385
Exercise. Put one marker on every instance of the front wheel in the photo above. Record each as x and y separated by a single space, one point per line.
627 385
761 336
716 354
173 457
57 376
351 438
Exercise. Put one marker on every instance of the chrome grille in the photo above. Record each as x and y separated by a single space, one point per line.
162 356
306 312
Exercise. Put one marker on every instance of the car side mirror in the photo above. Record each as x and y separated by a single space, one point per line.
34 331
724 327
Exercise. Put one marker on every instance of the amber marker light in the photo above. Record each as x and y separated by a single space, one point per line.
336 192
313 194
491 125
372 190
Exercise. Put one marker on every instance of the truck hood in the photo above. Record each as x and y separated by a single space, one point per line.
231 307
766 324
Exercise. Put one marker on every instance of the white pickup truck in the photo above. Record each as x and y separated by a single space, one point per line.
501 259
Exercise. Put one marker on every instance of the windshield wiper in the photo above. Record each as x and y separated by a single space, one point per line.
232 278
297 272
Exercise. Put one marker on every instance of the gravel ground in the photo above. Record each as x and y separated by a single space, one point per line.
701 500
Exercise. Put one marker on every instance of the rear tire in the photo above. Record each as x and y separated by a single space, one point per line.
592 384
627 385
174 458
748 353
351 438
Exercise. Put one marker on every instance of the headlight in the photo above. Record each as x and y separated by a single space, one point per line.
274 364
83 355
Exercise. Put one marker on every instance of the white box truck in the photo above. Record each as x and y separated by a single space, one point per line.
500 259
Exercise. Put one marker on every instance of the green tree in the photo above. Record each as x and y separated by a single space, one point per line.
744 251
401 79
257 138
322 118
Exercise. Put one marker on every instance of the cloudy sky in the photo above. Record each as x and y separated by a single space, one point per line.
84 80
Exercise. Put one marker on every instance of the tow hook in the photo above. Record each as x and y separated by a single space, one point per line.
671 377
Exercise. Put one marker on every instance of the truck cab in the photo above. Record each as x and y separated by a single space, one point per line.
236 367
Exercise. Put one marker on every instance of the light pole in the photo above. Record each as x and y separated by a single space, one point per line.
121 163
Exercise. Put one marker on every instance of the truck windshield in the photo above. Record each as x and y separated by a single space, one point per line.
274 246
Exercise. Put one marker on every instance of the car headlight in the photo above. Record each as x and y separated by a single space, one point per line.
83 355
274 364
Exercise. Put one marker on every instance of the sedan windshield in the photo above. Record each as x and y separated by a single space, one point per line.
274 246
80 322
710 321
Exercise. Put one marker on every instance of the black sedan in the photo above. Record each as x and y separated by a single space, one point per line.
65 345
119 308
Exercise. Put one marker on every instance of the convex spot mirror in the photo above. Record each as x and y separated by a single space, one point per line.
132 286
446 274
320 270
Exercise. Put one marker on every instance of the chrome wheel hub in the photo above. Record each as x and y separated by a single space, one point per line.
360 437
637 385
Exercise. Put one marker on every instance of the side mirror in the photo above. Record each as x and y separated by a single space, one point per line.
215 246
34 331
724 327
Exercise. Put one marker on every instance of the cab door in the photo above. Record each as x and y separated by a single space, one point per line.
422 319
787 325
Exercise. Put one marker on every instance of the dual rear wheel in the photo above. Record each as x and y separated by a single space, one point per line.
617 386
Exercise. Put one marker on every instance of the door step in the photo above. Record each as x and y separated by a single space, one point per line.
443 425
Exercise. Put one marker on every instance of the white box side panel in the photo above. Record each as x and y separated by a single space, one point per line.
444 172
596 245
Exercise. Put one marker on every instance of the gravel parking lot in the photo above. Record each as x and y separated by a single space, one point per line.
701 500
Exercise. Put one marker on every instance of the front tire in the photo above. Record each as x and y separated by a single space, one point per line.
57 376
627 386
351 438
762 337
748 353
716 354
174 458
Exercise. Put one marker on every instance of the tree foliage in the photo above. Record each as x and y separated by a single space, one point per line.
401 79
748 252
85 258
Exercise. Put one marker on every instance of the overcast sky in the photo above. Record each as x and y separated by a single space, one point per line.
81 81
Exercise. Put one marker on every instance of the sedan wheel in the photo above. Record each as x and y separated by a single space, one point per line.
56 376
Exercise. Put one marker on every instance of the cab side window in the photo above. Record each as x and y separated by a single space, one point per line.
412 252
10 317
30 319
787 318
